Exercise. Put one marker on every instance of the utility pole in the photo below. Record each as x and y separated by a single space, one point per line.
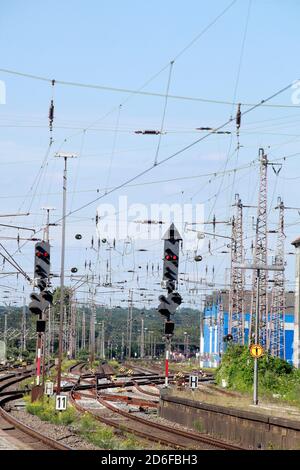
62 271
236 325
277 320
102 340
260 255
296 354
129 323
257 336
92 328
83 332
5 332
142 353
72 339
122 346
220 327
23 327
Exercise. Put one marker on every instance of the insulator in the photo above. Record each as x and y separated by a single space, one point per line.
238 117
51 112
90 264
92 242
114 243
214 223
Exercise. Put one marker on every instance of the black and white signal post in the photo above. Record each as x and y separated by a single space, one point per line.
40 301
168 304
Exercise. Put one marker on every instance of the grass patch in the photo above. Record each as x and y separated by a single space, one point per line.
114 364
97 433
67 363
85 425
45 410
103 436
198 425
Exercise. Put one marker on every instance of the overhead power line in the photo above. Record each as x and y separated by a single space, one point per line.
139 91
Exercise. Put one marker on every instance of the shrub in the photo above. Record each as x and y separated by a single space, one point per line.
45 410
96 433
275 375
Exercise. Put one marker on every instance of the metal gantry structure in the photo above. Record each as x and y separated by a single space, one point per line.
260 255
236 295
277 316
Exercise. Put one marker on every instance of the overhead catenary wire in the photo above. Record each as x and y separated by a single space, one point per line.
148 93
179 152
164 113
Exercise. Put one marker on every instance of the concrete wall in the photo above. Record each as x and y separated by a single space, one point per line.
251 430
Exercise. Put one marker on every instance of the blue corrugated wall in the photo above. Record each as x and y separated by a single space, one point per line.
210 318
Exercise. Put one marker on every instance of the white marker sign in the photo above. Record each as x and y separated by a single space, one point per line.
193 381
49 388
61 403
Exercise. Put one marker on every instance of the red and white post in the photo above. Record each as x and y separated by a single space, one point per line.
38 359
167 362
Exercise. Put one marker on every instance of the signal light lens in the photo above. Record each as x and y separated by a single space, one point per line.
174 257
168 257
41 254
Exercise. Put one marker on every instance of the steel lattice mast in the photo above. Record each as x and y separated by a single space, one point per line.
276 329
220 326
260 255
236 303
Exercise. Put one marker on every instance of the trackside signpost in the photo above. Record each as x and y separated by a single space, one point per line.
193 381
256 350
49 388
168 304
61 402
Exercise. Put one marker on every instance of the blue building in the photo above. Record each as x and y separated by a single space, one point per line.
213 333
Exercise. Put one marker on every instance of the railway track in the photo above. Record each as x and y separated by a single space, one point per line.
12 431
109 412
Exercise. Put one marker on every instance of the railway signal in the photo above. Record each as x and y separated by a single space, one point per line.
169 328
40 302
47 297
42 264
171 256
36 304
168 304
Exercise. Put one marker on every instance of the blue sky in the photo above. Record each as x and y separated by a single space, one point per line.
123 44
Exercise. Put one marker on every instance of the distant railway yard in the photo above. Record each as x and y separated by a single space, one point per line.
125 407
